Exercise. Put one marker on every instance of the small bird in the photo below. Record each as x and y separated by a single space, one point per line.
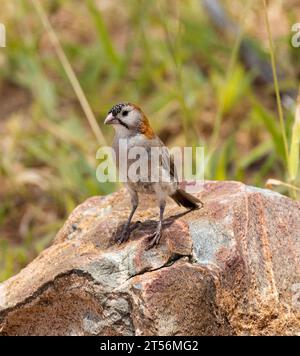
132 125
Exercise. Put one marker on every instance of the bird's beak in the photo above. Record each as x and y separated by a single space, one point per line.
110 119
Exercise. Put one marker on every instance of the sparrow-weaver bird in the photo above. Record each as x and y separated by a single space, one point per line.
132 127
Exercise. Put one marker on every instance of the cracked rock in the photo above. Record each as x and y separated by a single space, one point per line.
231 268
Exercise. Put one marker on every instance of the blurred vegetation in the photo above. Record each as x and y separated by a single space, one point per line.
167 57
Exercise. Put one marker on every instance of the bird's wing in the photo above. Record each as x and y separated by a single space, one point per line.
167 160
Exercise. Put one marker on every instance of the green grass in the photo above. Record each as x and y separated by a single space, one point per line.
164 56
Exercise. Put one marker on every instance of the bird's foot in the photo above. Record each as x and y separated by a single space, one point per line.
127 231
124 236
155 237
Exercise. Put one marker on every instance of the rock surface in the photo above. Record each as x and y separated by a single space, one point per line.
232 267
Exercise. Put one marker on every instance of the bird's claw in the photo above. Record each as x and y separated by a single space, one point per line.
154 238
127 231
124 236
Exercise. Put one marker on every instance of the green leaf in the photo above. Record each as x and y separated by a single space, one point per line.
293 161
270 123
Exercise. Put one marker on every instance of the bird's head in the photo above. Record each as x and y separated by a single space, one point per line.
128 119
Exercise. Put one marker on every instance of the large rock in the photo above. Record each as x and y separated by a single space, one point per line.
232 267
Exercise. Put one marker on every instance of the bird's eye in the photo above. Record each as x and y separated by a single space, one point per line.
125 113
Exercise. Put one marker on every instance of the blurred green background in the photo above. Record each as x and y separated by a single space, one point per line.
199 80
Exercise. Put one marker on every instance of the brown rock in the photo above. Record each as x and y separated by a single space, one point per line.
232 267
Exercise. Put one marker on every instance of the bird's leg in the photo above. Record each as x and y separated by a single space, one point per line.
126 230
154 238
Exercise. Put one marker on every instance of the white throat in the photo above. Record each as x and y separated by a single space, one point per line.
121 131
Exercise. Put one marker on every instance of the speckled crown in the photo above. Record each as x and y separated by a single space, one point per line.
115 110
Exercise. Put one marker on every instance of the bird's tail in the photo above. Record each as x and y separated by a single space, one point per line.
187 200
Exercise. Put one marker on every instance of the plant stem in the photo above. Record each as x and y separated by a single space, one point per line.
276 84
70 73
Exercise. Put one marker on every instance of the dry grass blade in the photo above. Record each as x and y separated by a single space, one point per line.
70 73
278 183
